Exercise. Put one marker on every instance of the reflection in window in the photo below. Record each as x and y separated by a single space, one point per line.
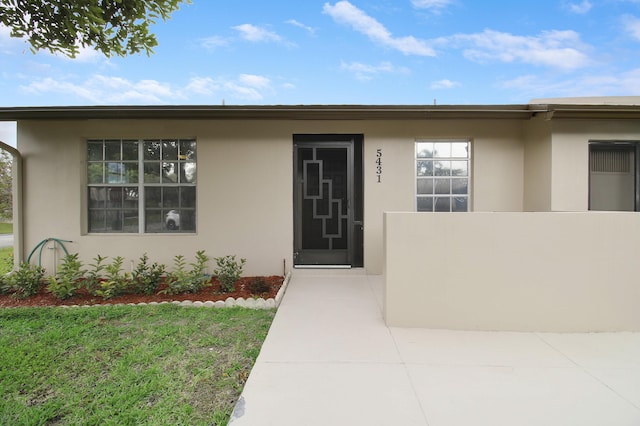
120 171
442 176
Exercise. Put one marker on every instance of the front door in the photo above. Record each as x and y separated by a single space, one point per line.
325 204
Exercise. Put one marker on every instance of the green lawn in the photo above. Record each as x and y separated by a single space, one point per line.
6 260
129 365
6 228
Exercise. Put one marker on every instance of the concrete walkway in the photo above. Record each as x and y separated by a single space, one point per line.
329 359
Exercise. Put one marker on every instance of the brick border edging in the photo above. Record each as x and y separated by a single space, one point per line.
230 302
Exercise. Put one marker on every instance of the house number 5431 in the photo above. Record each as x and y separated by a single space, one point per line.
379 165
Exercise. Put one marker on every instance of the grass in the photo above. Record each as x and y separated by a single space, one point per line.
113 365
6 228
6 260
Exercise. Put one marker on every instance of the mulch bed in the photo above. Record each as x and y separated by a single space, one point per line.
212 293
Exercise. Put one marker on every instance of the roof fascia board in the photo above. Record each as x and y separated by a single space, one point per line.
306 112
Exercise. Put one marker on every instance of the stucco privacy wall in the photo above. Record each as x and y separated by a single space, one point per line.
245 180
558 272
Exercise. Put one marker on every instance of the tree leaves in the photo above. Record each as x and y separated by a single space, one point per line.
113 27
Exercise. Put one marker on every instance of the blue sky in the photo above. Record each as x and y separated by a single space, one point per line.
350 52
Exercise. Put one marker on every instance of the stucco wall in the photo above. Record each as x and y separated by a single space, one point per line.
570 157
245 173
537 166
559 272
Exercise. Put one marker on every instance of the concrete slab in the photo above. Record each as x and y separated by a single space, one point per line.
329 358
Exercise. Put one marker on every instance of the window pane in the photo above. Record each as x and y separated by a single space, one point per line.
114 173
443 186
130 196
94 151
188 197
442 204
152 172
115 196
424 150
424 168
187 220
96 221
130 221
130 172
442 149
425 186
152 196
97 198
459 186
112 150
187 172
425 204
460 149
152 150
169 172
460 168
95 173
442 168
130 150
154 221
114 220
172 220
170 197
188 150
460 204
169 150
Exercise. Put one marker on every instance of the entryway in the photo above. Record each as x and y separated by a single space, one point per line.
328 201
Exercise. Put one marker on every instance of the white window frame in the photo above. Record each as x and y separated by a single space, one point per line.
454 168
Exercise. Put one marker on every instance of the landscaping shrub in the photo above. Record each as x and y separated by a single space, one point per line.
181 280
228 271
26 281
259 286
146 278
68 279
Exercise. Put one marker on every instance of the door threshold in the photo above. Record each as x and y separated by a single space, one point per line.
322 266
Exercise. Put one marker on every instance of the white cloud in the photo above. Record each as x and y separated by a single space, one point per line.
535 86
246 87
256 34
301 25
367 72
561 50
345 13
212 43
444 84
580 8
632 26
99 89
257 81
433 5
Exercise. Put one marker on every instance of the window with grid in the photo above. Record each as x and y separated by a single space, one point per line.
141 186
442 176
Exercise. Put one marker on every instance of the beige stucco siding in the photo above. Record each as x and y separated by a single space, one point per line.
570 157
557 272
245 181
537 165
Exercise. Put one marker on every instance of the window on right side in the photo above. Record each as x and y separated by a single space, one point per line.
442 175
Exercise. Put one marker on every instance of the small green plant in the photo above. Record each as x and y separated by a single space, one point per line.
146 278
228 271
116 282
26 281
259 286
68 280
181 280
94 276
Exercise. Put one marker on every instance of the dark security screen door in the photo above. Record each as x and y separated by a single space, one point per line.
323 195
